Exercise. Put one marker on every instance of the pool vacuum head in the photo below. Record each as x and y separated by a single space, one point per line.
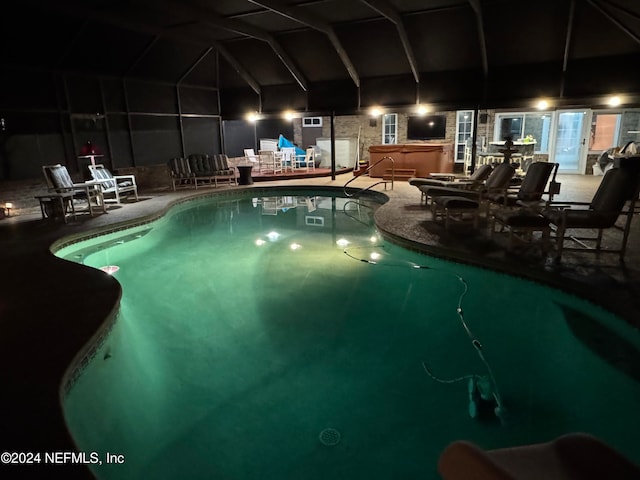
483 400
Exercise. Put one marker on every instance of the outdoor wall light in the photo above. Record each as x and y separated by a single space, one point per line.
252 117
289 115
375 111
7 208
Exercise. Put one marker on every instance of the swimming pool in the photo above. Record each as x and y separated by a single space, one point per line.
279 336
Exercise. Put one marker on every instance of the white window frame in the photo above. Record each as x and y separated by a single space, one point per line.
468 134
540 143
389 139
311 121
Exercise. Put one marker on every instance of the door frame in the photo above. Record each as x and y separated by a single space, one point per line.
583 144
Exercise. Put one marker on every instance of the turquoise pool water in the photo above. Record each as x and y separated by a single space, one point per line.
250 326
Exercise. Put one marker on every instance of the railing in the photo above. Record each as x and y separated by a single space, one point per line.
358 205
393 174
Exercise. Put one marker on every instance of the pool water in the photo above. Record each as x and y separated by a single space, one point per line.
281 338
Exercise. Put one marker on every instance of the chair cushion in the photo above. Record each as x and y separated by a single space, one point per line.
200 164
521 219
535 181
59 177
179 167
105 176
500 177
224 162
582 218
455 202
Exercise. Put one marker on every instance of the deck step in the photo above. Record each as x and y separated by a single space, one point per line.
399 174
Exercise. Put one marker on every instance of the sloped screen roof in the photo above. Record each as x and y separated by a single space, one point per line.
454 51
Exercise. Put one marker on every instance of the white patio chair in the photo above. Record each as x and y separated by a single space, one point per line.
115 185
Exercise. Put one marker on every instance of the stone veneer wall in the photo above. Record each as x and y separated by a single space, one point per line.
371 132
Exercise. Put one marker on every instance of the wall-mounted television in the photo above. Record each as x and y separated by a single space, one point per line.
427 127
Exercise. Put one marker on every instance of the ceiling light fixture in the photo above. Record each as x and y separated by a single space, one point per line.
542 104
421 110
614 101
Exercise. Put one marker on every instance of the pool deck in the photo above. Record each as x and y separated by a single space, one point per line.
50 308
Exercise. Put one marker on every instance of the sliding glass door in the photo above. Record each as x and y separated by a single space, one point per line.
569 145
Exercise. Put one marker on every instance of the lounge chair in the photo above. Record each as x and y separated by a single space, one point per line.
471 182
618 186
458 203
115 185
569 457
497 182
519 212
530 192
62 188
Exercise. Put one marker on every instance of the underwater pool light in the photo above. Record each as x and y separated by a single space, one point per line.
295 246
343 242
375 256
260 242
373 239
110 269
273 236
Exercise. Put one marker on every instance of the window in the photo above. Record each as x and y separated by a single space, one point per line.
605 129
521 125
389 128
311 121
464 130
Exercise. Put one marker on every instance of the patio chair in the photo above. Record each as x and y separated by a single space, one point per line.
253 159
222 170
534 185
270 162
618 186
61 185
497 182
459 203
305 161
568 457
470 182
180 172
115 185
519 211
288 158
